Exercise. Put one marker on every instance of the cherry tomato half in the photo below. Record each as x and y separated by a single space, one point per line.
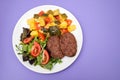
45 57
36 48
27 40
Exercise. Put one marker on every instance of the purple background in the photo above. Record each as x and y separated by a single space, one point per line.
100 55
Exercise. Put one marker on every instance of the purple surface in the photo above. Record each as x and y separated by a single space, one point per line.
100 55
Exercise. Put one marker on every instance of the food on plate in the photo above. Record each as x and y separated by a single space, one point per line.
25 34
53 46
68 44
54 30
60 46
47 39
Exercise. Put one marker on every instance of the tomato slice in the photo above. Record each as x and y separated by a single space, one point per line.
41 36
27 40
46 57
41 13
68 21
36 48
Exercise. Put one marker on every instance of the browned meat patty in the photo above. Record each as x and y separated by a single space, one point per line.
68 44
53 46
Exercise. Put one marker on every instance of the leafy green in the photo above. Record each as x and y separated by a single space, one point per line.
48 66
18 49
51 63
39 59
24 48
25 34
30 47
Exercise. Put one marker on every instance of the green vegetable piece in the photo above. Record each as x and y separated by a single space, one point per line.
45 30
48 66
39 59
25 48
51 63
57 22
30 47
50 12
19 49
36 16
54 30
64 16
45 15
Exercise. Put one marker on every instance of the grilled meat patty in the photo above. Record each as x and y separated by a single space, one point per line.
68 44
53 46
60 46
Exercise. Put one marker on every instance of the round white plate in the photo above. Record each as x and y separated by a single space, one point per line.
66 61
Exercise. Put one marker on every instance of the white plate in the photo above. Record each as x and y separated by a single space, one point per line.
67 61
